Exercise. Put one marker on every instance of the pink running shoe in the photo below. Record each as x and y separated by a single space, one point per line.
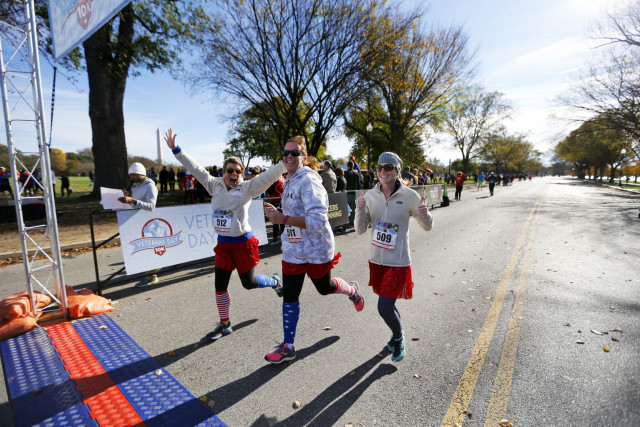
282 354
357 298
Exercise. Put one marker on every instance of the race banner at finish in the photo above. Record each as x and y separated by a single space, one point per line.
175 235
73 21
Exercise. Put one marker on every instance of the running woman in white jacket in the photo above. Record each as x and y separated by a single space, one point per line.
307 242
388 208
237 247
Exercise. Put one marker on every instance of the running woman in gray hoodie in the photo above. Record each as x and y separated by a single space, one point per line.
307 242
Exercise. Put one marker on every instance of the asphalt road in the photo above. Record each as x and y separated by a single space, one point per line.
505 288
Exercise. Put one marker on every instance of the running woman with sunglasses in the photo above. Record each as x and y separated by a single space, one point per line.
237 247
307 242
388 208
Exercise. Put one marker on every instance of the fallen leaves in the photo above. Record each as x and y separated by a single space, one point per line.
600 333
297 404
327 328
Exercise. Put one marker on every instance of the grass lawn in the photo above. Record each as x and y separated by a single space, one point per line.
76 208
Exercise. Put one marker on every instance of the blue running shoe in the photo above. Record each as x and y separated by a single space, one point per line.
219 331
278 286
398 350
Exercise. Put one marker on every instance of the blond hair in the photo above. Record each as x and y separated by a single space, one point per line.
301 142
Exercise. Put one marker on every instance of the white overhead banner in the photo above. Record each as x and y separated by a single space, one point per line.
73 21
175 235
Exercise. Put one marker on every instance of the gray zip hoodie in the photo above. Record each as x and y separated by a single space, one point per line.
401 206
304 195
146 194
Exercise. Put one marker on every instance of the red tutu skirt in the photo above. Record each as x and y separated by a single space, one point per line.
237 255
391 282
314 271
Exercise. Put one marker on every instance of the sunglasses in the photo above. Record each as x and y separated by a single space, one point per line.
294 153
388 167
231 170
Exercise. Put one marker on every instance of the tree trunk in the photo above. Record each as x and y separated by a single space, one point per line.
107 78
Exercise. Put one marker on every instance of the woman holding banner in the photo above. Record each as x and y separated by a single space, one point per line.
237 248
307 242
388 208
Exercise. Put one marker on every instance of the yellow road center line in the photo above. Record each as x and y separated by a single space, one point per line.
501 387
462 396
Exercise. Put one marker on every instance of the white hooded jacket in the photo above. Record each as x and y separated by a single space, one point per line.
303 195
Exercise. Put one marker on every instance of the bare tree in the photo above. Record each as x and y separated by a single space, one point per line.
621 27
472 115
149 34
296 62
417 75
608 94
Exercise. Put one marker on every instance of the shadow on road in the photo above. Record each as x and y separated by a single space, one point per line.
172 356
233 392
321 411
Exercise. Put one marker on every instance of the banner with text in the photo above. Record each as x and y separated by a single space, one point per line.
73 21
175 235
338 209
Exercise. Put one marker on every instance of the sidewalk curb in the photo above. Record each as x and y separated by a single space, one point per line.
76 245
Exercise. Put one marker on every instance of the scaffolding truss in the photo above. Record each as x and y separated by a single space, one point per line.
22 101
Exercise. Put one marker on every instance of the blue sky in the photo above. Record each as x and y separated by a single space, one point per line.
529 50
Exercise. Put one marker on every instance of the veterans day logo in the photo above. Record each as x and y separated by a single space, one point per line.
157 234
83 13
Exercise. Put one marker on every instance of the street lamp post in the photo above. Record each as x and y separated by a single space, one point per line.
369 129
623 152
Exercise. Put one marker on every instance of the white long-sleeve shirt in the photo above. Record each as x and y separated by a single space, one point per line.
231 206
397 210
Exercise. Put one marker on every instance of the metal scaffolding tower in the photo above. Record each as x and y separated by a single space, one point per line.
28 151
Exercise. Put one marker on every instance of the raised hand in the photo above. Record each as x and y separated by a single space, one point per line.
422 208
360 201
275 216
170 138
269 208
